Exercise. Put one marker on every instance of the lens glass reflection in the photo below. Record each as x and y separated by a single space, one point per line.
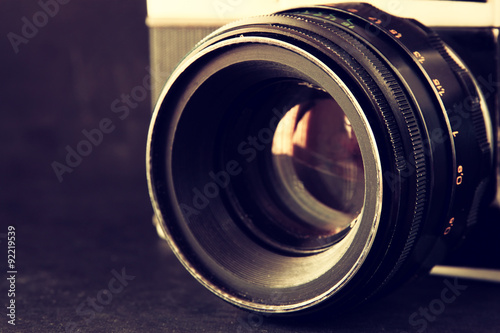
317 161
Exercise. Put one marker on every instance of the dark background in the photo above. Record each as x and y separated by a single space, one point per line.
72 235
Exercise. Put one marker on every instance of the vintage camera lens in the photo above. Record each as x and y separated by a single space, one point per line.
318 157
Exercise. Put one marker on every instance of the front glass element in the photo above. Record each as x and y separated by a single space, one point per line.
317 161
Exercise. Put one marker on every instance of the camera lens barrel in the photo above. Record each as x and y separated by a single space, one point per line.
317 157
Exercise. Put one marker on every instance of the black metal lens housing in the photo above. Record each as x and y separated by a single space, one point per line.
317 157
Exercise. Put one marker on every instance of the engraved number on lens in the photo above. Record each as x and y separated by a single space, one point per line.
396 33
448 228
420 57
347 23
460 177
439 87
376 20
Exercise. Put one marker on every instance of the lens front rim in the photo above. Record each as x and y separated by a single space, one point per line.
364 231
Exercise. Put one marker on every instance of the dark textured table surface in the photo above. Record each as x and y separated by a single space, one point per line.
87 256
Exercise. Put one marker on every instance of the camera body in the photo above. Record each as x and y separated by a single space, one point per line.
225 191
